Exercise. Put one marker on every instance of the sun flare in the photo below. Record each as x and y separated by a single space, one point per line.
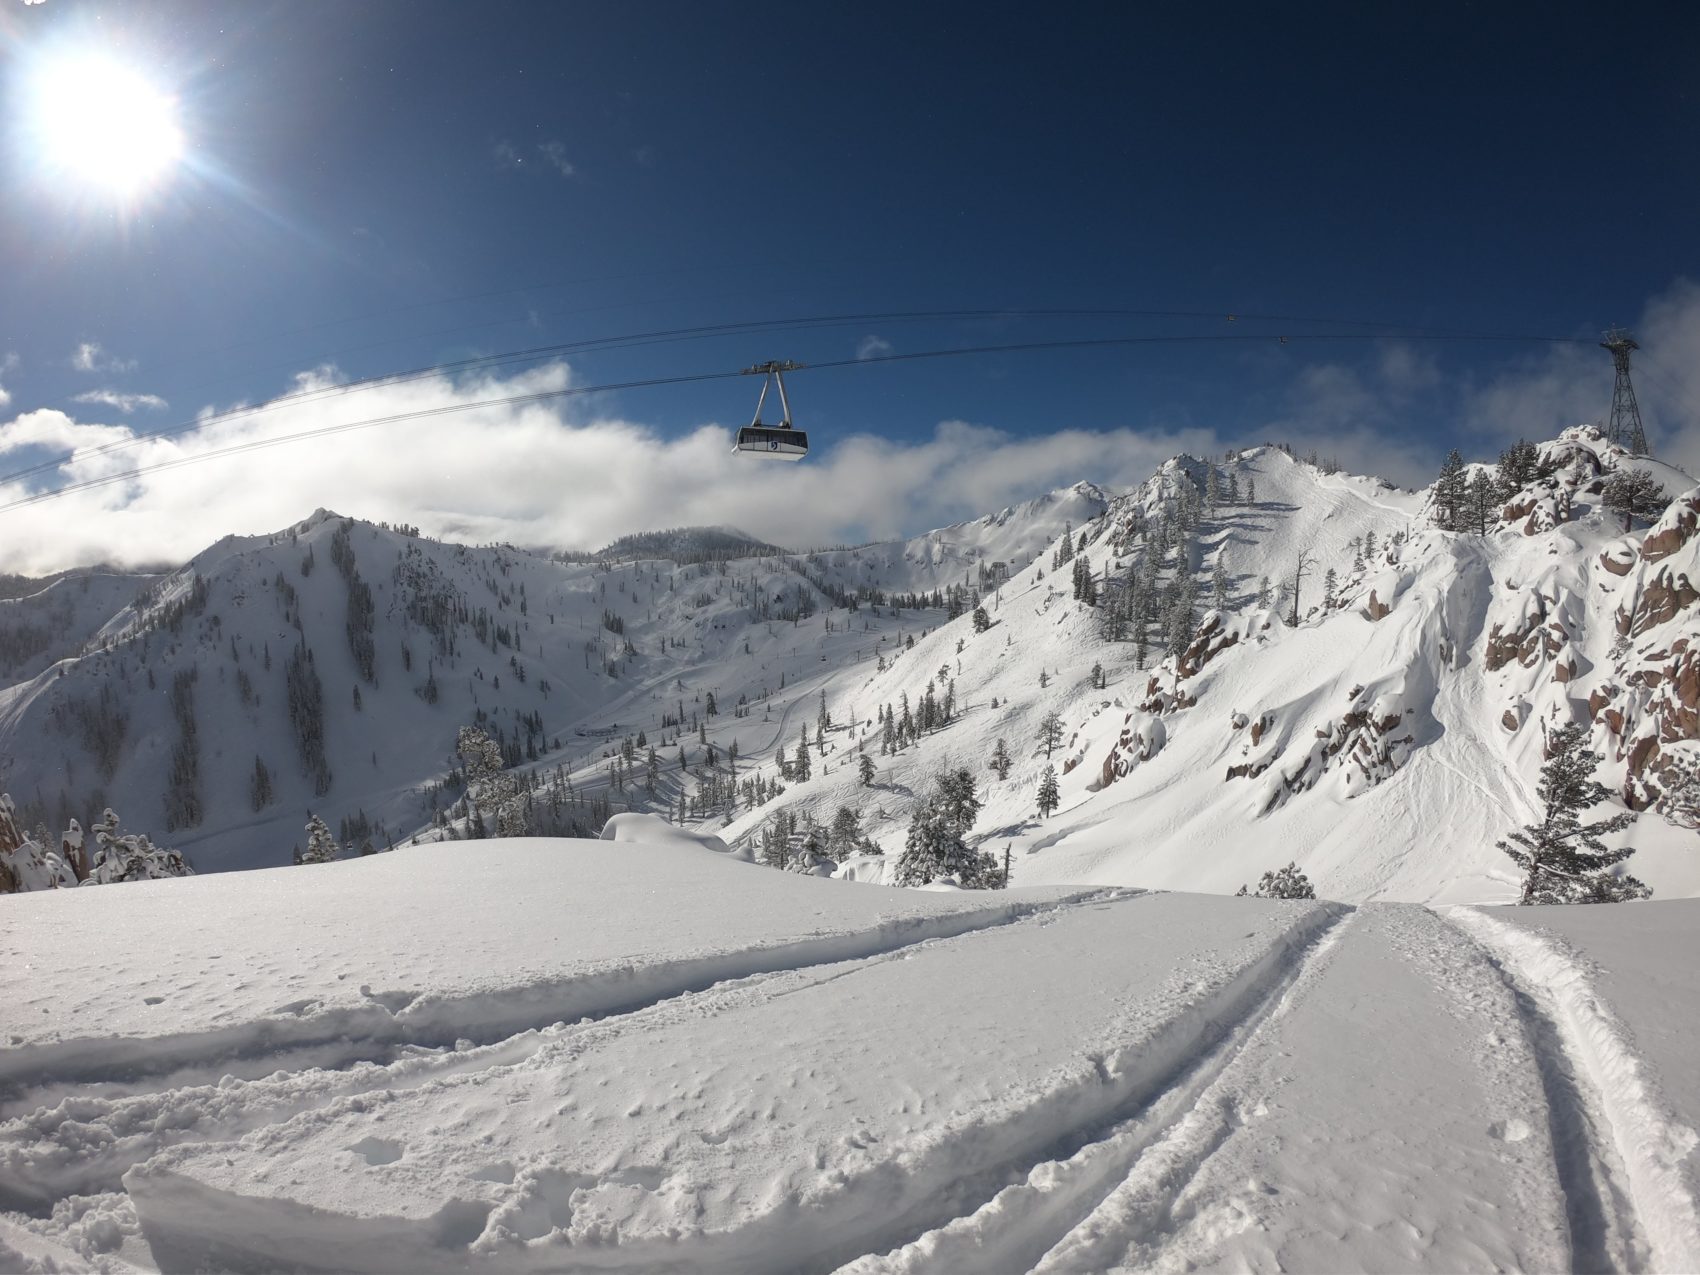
104 125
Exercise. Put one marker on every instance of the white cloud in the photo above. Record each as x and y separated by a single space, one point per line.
555 155
508 156
549 474
125 403
55 431
870 347
90 357
8 363
574 473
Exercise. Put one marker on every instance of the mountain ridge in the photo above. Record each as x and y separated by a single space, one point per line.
1211 748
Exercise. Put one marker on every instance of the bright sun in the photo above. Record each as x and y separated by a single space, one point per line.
104 125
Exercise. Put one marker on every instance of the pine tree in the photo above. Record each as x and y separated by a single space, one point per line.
801 765
1000 759
1449 493
1519 465
1480 497
1219 585
958 803
865 769
1050 733
321 846
260 787
1634 494
1288 883
1251 489
1563 860
936 847
846 834
1049 797
982 621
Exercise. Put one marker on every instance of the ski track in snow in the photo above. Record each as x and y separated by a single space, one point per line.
63 1139
1633 1199
1583 1170
891 1185
1015 1228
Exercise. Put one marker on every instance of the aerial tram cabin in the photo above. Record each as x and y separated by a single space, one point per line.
774 442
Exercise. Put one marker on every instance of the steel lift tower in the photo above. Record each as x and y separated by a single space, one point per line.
1625 428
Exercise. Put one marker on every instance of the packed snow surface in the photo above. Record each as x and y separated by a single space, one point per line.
642 1053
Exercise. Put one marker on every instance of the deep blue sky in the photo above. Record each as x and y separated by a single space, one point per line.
352 195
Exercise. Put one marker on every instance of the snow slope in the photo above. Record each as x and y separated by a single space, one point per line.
760 1071
1384 742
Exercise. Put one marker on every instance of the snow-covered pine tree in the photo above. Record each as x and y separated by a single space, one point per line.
321 846
131 857
865 770
935 846
1564 860
1000 759
1288 883
1049 798
490 787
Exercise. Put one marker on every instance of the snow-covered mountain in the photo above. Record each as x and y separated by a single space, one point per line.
328 667
1384 741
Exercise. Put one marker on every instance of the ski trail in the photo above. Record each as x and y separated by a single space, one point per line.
1637 1147
374 1031
1259 1157
1180 1118
82 1142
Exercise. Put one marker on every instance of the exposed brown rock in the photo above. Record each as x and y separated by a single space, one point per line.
1675 529
1617 566
1662 599
1375 608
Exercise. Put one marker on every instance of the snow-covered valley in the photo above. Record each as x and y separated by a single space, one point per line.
654 1051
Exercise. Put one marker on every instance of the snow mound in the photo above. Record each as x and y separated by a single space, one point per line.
653 830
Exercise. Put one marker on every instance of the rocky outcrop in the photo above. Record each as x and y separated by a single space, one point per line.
1537 633
1141 739
1674 529
1366 741
1213 637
